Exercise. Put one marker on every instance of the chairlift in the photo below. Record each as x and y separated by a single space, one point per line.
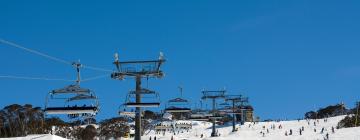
178 105
144 93
71 106
71 96
126 112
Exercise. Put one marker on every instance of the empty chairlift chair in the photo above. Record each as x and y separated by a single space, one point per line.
126 112
178 105
149 98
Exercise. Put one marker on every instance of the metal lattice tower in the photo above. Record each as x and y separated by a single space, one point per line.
138 70
234 99
243 101
213 95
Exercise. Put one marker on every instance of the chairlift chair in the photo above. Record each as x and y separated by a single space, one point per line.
72 93
126 112
146 94
178 105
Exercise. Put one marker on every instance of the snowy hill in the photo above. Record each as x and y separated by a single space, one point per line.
37 137
253 132
249 131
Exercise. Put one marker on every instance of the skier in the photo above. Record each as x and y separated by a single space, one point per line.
322 130
150 138
290 132
154 137
333 129
286 133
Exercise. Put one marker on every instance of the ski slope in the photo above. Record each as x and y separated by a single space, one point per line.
37 137
254 131
246 132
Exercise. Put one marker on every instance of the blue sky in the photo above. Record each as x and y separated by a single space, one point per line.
288 57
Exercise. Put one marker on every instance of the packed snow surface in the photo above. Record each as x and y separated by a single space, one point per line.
251 131
37 137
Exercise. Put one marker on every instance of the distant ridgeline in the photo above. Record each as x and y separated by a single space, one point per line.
351 120
329 111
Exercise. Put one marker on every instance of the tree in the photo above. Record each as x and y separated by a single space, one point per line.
149 114
310 115
114 127
17 120
88 133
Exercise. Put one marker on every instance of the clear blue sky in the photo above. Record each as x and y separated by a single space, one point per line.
287 56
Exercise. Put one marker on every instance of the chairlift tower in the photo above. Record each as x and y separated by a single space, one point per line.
234 99
213 95
243 101
138 70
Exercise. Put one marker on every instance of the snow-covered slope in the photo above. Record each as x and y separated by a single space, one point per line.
37 137
249 131
253 132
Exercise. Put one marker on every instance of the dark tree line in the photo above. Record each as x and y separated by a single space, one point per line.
329 111
21 120
113 128
353 119
17 120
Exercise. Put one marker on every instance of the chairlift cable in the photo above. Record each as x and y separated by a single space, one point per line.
12 44
33 78
49 79
94 78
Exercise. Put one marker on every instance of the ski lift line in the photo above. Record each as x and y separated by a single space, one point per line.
11 44
8 43
94 78
50 79
96 68
33 78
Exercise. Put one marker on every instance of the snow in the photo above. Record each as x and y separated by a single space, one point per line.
253 132
247 133
37 137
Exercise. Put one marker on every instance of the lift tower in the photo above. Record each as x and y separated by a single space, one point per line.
243 101
234 99
138 70
213 95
